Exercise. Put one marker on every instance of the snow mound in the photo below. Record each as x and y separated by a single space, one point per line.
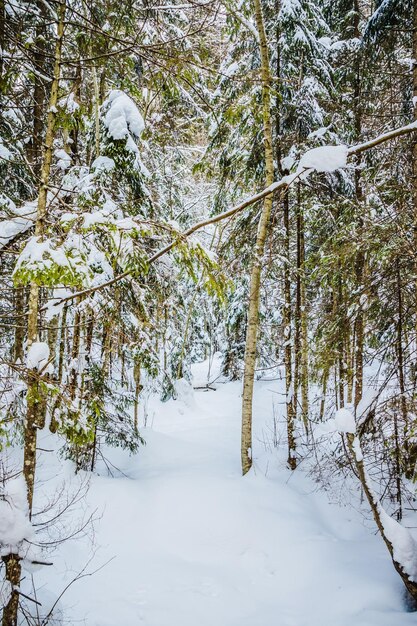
122 116
38 355
64 159
324 158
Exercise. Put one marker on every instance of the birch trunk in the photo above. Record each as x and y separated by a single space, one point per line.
263 229
13 573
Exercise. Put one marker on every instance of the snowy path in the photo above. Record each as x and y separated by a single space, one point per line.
195 544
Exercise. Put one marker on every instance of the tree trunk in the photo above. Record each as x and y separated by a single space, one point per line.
263 229
304 327
39 90
290 392
360 256
19 335
414 160
13 572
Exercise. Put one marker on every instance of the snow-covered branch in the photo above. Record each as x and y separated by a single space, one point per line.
322 159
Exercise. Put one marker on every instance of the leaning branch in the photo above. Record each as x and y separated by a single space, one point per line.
283 184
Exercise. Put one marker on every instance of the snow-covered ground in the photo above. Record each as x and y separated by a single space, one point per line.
189 542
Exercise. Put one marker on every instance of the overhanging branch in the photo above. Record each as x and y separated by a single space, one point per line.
282 184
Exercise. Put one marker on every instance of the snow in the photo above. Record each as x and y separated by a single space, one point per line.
103 163
287 163
15 526
38 355
4 152
122 116
64 159
22 220
52 308
404 545
184 539
231 69
69 103
324 158
345 421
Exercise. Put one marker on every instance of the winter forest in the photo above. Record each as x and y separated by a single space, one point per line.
208 312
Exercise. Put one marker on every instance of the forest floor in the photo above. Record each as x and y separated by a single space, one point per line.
186 541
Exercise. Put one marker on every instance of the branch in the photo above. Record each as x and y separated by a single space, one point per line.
283 184
391 134
17 590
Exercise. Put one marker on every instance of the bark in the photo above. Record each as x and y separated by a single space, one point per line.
263 229
13 573
19 335
290 392
349 351
324 384
360 256
138 389
407 461
39 90
75 353
62 343
340 312
2 43
297 310
304 327
414 161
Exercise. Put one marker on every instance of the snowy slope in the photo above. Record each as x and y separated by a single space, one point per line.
195 544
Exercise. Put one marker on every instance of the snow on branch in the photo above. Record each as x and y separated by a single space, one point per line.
398 539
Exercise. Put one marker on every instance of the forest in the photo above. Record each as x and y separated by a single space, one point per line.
208 312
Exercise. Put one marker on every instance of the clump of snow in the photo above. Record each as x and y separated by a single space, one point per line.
24 218
231 69
7 202
365 403
287 163
5 152
326 42
103 163
52 308
324 158
15 525
69 103
38 355
122 116
403 543
64 159
345 421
